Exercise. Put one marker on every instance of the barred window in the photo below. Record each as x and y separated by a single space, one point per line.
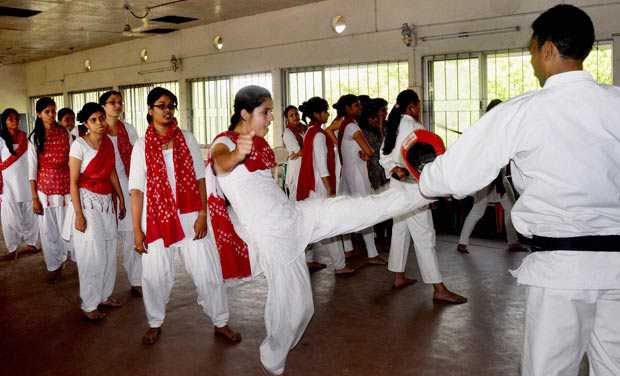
80 98
136 109
382 79
459 87
212 101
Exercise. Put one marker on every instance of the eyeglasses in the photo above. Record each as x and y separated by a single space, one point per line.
120 103
171 106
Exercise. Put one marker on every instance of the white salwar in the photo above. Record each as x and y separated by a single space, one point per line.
333 247
95 248
563 142
482 198
279 230
416 225
55 248
355 178
19 223
292 165
132 262
201 257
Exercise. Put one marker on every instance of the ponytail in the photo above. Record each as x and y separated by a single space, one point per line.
403 100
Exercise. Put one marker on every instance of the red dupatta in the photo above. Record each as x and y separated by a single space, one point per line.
124 145
96 176
22 146
307 180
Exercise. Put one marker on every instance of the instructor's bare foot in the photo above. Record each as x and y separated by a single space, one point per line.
443 295
151 336
403 282
377 260
462 248
112 303
346 271
227 334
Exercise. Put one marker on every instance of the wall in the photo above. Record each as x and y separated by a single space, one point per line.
13 88
302 36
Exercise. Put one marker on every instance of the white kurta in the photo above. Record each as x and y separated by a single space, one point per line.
355 178
19 223
95 248
417 225
279 231
201 258
292 165
563 141
55 248
132 261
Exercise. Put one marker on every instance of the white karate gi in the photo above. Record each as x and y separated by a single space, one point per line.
416 225
132 261
19 223
201 257
355 178
95 248
481 201
563 141
55 248
292 165
279 231
333 247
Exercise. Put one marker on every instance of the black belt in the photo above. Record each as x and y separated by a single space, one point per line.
591 243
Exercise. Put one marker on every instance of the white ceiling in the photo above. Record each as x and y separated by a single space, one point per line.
65 26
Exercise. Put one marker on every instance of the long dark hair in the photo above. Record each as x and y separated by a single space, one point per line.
4 130
37 136
154 95
247 98
403 100
312 106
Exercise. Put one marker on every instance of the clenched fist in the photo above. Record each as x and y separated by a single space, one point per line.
244 145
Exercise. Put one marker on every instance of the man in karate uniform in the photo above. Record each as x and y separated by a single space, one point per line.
564 145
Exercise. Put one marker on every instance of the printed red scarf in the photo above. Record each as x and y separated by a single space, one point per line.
96 176
162 220
307 181
53 172
297 134
21 139
232 249
124 145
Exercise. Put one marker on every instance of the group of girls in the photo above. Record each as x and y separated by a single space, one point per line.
359 154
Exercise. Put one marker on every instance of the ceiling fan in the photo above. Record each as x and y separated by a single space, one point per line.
142 29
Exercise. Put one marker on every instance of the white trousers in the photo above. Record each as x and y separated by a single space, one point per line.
562 325
288 310
96 269
202 263
55 248
19 224
481 201
290 307
132 260
419 226
369 239
331 246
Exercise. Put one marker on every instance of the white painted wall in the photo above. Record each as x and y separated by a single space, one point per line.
13 88
302 36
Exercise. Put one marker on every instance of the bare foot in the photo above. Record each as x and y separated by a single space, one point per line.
400 283
377 260
9 256
351 253
151 336
462 248
443 295
95 315
112 303
315 266
55 276
136 291
346 271
30 250
227 334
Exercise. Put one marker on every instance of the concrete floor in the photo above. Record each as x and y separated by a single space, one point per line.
360 327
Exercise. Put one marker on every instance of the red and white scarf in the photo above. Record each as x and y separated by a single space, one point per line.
53 171
233 251
307 181
124 145
21 139
96 176
162 219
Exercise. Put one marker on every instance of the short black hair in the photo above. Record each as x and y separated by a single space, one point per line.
288 108
569 28
105 96
64 112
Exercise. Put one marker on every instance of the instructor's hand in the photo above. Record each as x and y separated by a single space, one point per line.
244 145
200 226
139 244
